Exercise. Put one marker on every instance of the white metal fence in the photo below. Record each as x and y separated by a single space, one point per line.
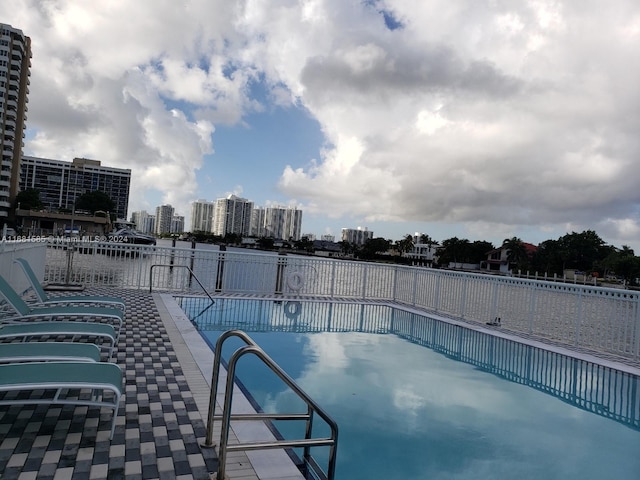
604 319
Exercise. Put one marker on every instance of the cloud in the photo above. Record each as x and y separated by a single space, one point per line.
505 116
518 114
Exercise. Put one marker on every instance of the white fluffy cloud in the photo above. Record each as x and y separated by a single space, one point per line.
500 115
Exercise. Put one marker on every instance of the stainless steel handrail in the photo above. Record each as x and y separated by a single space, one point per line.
306 443
193 275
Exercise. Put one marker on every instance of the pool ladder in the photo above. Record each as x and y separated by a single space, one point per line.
251 348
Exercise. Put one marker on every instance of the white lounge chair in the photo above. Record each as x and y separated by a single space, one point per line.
25 312
26 331
44 299
25 352
60 378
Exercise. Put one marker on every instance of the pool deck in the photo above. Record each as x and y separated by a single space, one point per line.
161 422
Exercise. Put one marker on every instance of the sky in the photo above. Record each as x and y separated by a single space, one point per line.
479 119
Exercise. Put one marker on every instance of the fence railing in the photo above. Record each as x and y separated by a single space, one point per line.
603 319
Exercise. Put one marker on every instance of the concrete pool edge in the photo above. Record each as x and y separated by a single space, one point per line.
196 359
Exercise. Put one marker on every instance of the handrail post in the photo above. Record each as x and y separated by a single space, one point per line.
307 432
215 377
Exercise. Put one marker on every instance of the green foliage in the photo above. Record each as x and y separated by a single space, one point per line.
232 239
584 251
374 246
304 244
458 250
29 199
94 201
265 243
516 254
405 245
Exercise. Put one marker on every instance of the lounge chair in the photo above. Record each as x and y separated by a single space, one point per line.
48 352
44 299
59 379
26 331
25 312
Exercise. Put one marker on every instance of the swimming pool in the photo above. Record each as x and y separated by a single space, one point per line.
416 397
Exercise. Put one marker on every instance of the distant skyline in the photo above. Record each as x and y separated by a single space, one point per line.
481 120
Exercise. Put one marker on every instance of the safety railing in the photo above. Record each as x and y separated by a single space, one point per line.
226 417
603 319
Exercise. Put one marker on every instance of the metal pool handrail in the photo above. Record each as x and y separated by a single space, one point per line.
252 348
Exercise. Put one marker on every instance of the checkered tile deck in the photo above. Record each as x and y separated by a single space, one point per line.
158 430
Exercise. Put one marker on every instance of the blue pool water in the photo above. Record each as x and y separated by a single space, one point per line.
419 398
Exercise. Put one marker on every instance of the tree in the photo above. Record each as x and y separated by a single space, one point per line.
373 247
477 251
516 253
348 248
453 250
426 239
304 244
265 243
628 267
29 199
94 201
405 245
582 251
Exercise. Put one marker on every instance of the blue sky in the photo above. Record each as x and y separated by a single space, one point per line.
481 120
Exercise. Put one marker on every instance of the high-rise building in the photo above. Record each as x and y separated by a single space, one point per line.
15 63
292 224
257 222
357 236
283 223
144 222
202 216
164 216
232 215
177 224
61 183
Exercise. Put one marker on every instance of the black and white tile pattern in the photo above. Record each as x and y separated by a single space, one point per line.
158 429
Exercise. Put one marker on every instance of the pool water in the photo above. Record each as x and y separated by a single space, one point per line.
407 411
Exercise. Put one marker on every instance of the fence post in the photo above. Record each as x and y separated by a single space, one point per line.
282 263
364 282
220 272
173 253
436 303
637 352
193 254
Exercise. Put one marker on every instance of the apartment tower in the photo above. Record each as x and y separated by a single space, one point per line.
164 218
232 215
15 63
60 183
202 216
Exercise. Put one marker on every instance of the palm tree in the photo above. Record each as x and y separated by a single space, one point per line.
405 245
454 250
516 253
